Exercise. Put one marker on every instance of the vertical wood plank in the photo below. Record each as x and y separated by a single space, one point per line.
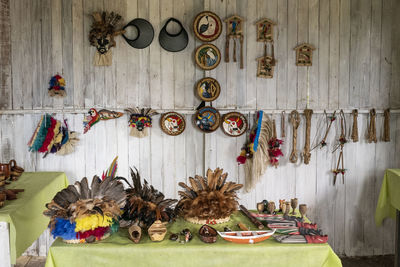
77 53
57 43
67 51
179 58
232 68
47 60
241 85
323 54
360 23
282 55
292 42
313 38
302 37
144 63
334 44
344 54
251 55
155 56
395 85
5 55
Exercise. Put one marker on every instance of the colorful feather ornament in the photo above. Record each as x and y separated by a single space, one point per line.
79 214
140 120
57 86
255 154
95 116
112 170
51 136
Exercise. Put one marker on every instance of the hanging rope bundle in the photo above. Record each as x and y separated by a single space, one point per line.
371 135
283 134
323 141
386 126
307 155
354 130
274 129
295 121
342 141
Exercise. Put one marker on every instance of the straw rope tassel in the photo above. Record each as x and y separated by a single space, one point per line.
307 155
386 126
234 49
295 121
283 133
372 127
354 130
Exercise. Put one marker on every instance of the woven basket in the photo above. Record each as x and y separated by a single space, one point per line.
208 234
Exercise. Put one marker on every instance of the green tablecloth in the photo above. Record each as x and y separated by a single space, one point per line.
118 250
389 197
24 214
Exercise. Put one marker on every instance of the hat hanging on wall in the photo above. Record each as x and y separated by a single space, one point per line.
145 33
173 42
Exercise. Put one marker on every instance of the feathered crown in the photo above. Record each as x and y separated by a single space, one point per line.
104 24
144 203
209 199
82 214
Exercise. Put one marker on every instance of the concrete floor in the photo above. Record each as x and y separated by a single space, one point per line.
375 261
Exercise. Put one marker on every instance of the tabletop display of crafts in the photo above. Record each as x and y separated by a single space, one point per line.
208 200
79 214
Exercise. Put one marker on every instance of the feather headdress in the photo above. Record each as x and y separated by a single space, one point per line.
140 120
82 214
255 154
144 203
208 199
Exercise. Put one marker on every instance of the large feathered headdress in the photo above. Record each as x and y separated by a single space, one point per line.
144 203
82 214
209 199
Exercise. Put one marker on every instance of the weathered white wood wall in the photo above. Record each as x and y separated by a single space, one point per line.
356 65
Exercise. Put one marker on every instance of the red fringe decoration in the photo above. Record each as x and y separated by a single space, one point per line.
98 233
49 136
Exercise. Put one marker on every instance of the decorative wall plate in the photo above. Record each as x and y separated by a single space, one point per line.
234 124
207 119
208 89
172 123
207 56
207 26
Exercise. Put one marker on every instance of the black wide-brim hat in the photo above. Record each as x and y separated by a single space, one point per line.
145 33
173 42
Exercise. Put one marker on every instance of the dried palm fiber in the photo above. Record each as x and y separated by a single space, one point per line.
371 134
208 199
144 201
256 166
386 126
307 155
354 130
283 133
82 214
295 121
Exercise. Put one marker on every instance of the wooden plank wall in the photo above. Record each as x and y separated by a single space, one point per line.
356 65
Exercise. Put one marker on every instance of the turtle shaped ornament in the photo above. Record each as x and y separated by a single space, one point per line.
140 121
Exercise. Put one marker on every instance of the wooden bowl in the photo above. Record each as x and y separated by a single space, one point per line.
208 234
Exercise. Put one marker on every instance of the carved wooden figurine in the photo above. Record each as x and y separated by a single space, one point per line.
234 30
304 54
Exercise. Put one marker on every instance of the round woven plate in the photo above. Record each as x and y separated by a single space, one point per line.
207 119
208 89
207 56
234 124
172 123
207 26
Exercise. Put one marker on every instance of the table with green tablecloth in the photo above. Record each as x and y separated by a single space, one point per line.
24 215
118 250
389 204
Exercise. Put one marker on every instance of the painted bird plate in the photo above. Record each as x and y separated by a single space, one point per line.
207 56
234 124
172 123
208 89
207 26
207 119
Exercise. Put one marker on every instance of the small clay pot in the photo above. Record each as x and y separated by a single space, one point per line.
5 169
